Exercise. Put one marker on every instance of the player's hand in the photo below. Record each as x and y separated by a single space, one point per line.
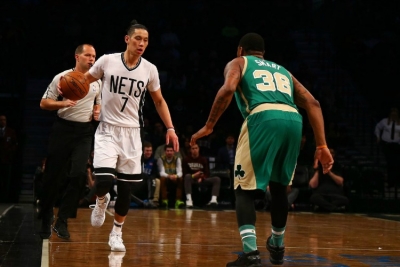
202 132
324 156
171 136
69 103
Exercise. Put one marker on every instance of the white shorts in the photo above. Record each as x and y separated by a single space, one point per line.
119 148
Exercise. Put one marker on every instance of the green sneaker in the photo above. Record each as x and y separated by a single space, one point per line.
179 204
164 204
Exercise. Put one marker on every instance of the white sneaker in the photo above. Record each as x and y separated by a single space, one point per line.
99 212
115 259
189 204
116 242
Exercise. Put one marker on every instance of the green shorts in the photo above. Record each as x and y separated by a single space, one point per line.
268 147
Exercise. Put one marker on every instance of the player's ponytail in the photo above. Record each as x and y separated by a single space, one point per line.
133 26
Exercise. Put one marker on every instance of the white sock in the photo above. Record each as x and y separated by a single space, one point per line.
117 227
214 199
101 200
189 197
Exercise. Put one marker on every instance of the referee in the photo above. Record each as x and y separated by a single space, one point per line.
69 146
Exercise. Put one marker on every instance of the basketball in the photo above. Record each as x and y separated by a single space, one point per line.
73 85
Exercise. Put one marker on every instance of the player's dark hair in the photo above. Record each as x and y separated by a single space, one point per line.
252 42
133 26
79 49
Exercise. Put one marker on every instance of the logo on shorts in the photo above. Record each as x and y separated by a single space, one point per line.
239 172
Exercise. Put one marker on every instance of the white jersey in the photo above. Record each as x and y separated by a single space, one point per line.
123 90
83 110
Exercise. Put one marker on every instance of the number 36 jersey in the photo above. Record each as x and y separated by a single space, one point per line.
124 89
263 81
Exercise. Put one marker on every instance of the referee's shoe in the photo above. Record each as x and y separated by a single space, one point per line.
47 222
61 228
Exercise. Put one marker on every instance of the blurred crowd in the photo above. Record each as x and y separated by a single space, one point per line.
190 42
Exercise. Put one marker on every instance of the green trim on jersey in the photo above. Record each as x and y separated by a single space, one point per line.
263 81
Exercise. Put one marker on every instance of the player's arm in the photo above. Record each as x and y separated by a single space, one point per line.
232 74
89 78
163 112
304 99
162 108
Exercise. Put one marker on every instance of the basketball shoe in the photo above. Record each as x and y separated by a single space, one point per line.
275 253
250 259
116 242
99 212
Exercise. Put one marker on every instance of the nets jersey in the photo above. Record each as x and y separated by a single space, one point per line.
263 81
83 110
123 89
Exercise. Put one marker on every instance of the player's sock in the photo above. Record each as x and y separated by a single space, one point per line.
214 199
277 236
117 227
189 197
101 200
248 234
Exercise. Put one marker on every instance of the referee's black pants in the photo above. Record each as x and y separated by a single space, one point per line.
391 152
65 171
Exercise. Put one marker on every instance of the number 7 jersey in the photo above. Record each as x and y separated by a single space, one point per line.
123 90
263 81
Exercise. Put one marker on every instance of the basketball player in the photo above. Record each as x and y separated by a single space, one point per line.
69 145
269 142
126 77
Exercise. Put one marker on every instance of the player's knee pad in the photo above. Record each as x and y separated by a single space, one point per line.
104 180
124 198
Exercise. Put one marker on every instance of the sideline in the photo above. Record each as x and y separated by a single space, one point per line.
6 210
45 246
45 253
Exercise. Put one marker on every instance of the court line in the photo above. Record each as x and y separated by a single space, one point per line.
45 253
343 249
210 245
5 212
109 213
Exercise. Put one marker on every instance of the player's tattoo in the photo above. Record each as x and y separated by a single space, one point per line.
219 106
300 94
233 74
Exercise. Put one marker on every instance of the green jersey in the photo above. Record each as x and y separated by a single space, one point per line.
263 81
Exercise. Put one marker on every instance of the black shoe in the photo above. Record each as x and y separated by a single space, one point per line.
251 259
275 253
47 222
150 204
212 205
61 228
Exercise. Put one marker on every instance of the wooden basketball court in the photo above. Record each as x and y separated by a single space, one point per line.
200 238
